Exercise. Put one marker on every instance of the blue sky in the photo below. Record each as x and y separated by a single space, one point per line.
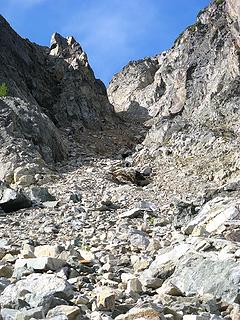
112 32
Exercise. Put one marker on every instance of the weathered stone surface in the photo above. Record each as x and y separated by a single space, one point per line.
6 271
134 285
47 251
41 194
131 90
87 256
3 284
70 312
41 263
141 313
36 288
11 314
192 98
163 266
106 299
198 274
49 88
214 216
26 128
11 200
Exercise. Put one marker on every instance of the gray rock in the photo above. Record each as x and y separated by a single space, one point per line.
71 312
41 194
3 284
11 200
131 90
49 88
151 313
106 299
134 285
36 288
32 138
40 263
198 274
213 216
139 240
50 204
75 197
11 314
133 213
191 95
163 266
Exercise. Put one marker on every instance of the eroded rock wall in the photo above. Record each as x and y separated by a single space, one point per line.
192 101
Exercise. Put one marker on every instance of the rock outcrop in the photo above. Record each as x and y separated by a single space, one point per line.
192 99
10 200
193 77
59 79
49 89
27 138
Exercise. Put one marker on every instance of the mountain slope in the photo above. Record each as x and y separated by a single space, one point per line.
52 92
191 103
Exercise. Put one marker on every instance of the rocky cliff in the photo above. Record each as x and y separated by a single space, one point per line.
189 78
190 97
59 79
51 89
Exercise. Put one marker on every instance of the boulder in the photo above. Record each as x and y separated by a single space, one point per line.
41 194
163 265
213 217
47 251
71 312
201 274
6 271
37 290
11 200
106 299
150 313
40 263
11 314
134 285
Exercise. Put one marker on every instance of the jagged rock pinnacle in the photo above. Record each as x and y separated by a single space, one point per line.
69 49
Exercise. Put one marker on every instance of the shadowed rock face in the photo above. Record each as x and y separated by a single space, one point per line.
48 89
27 136
11 200
59 79
193 98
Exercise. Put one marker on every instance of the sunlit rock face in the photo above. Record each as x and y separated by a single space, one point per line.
191 101
189 76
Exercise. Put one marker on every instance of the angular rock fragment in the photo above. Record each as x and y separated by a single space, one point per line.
70 312
197 274
106 299
36 289
40 263
141 313
41 194
214 216
11 200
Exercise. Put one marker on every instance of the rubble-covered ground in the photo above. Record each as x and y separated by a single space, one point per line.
98 245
